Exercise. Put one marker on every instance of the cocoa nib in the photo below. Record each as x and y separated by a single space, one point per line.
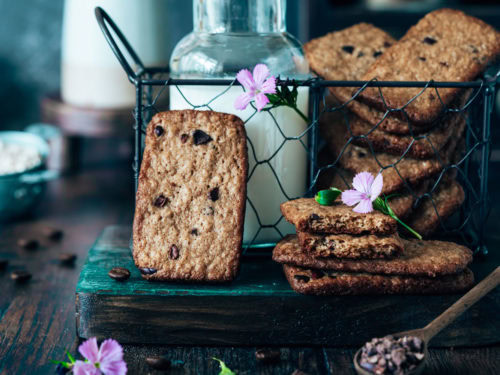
147 270
159 131
184 138
160 201
213 195
348 49
200 137
174 252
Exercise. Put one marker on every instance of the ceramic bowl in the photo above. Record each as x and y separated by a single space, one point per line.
20 192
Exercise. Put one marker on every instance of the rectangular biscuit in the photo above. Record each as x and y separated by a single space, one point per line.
445 45
190 202
334 283
309 216
348 246
419 258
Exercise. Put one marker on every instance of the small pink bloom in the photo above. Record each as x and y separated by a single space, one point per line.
107 360
366 190
256 87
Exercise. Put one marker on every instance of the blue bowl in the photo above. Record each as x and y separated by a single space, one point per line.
20 192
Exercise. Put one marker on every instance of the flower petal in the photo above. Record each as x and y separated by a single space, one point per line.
90 350
260 101
364 206
114 368
362 182
351 197
110 351
245 78
260 73
82 368
269 86
376 187
242 100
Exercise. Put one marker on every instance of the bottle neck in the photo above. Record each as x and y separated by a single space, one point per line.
239 16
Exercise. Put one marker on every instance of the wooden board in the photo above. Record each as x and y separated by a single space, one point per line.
259 308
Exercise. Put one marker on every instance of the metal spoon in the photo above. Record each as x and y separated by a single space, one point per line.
433 328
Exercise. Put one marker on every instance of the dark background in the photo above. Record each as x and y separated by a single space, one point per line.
30 40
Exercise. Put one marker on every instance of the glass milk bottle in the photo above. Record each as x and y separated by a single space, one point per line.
230 35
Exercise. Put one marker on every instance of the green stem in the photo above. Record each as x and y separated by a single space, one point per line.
407 227
299 112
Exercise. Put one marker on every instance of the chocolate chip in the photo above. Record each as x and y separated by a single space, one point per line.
213 195
201 138
147 270
67 258
314 217
422 58
20 276
377 53
194 232
267 356
387 44
360 54
315 275
28 243
159 131
184 138
53 234
160 201
3 264
174 252
119 273
429 40
348 49
444 63
302 278
158 363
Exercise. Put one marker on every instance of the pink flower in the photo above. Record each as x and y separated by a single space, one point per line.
366 190
107 360
256 87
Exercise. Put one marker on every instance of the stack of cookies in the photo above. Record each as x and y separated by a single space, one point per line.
409 132
340 252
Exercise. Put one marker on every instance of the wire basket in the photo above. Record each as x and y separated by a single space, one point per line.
468 165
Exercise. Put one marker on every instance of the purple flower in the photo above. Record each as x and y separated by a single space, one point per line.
366 190
107 360
256 87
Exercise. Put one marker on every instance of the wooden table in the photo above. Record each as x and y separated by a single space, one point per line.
37 319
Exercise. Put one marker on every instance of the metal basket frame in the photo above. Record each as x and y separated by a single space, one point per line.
474 212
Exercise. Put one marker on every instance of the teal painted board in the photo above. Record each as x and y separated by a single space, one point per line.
258 308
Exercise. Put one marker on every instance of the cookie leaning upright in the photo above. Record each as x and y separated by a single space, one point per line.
190 202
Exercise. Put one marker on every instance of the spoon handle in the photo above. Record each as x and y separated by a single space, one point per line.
454 311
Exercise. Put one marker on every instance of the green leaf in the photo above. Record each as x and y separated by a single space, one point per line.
224 370
327 197
63 364
71 358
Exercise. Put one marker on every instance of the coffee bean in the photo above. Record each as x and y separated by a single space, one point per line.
194 232
20 276
67 258
430 40
214 194
302 278
158 363
201 138
174 252
377 53
160 201
267 355
119 273
348 49
159 131
53 234
28 243
184 138
147 270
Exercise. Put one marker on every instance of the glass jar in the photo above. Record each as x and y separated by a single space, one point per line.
230 35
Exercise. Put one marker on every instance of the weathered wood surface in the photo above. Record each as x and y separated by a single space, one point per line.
37 320
258 308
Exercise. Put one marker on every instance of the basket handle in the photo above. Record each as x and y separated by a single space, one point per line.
103 19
